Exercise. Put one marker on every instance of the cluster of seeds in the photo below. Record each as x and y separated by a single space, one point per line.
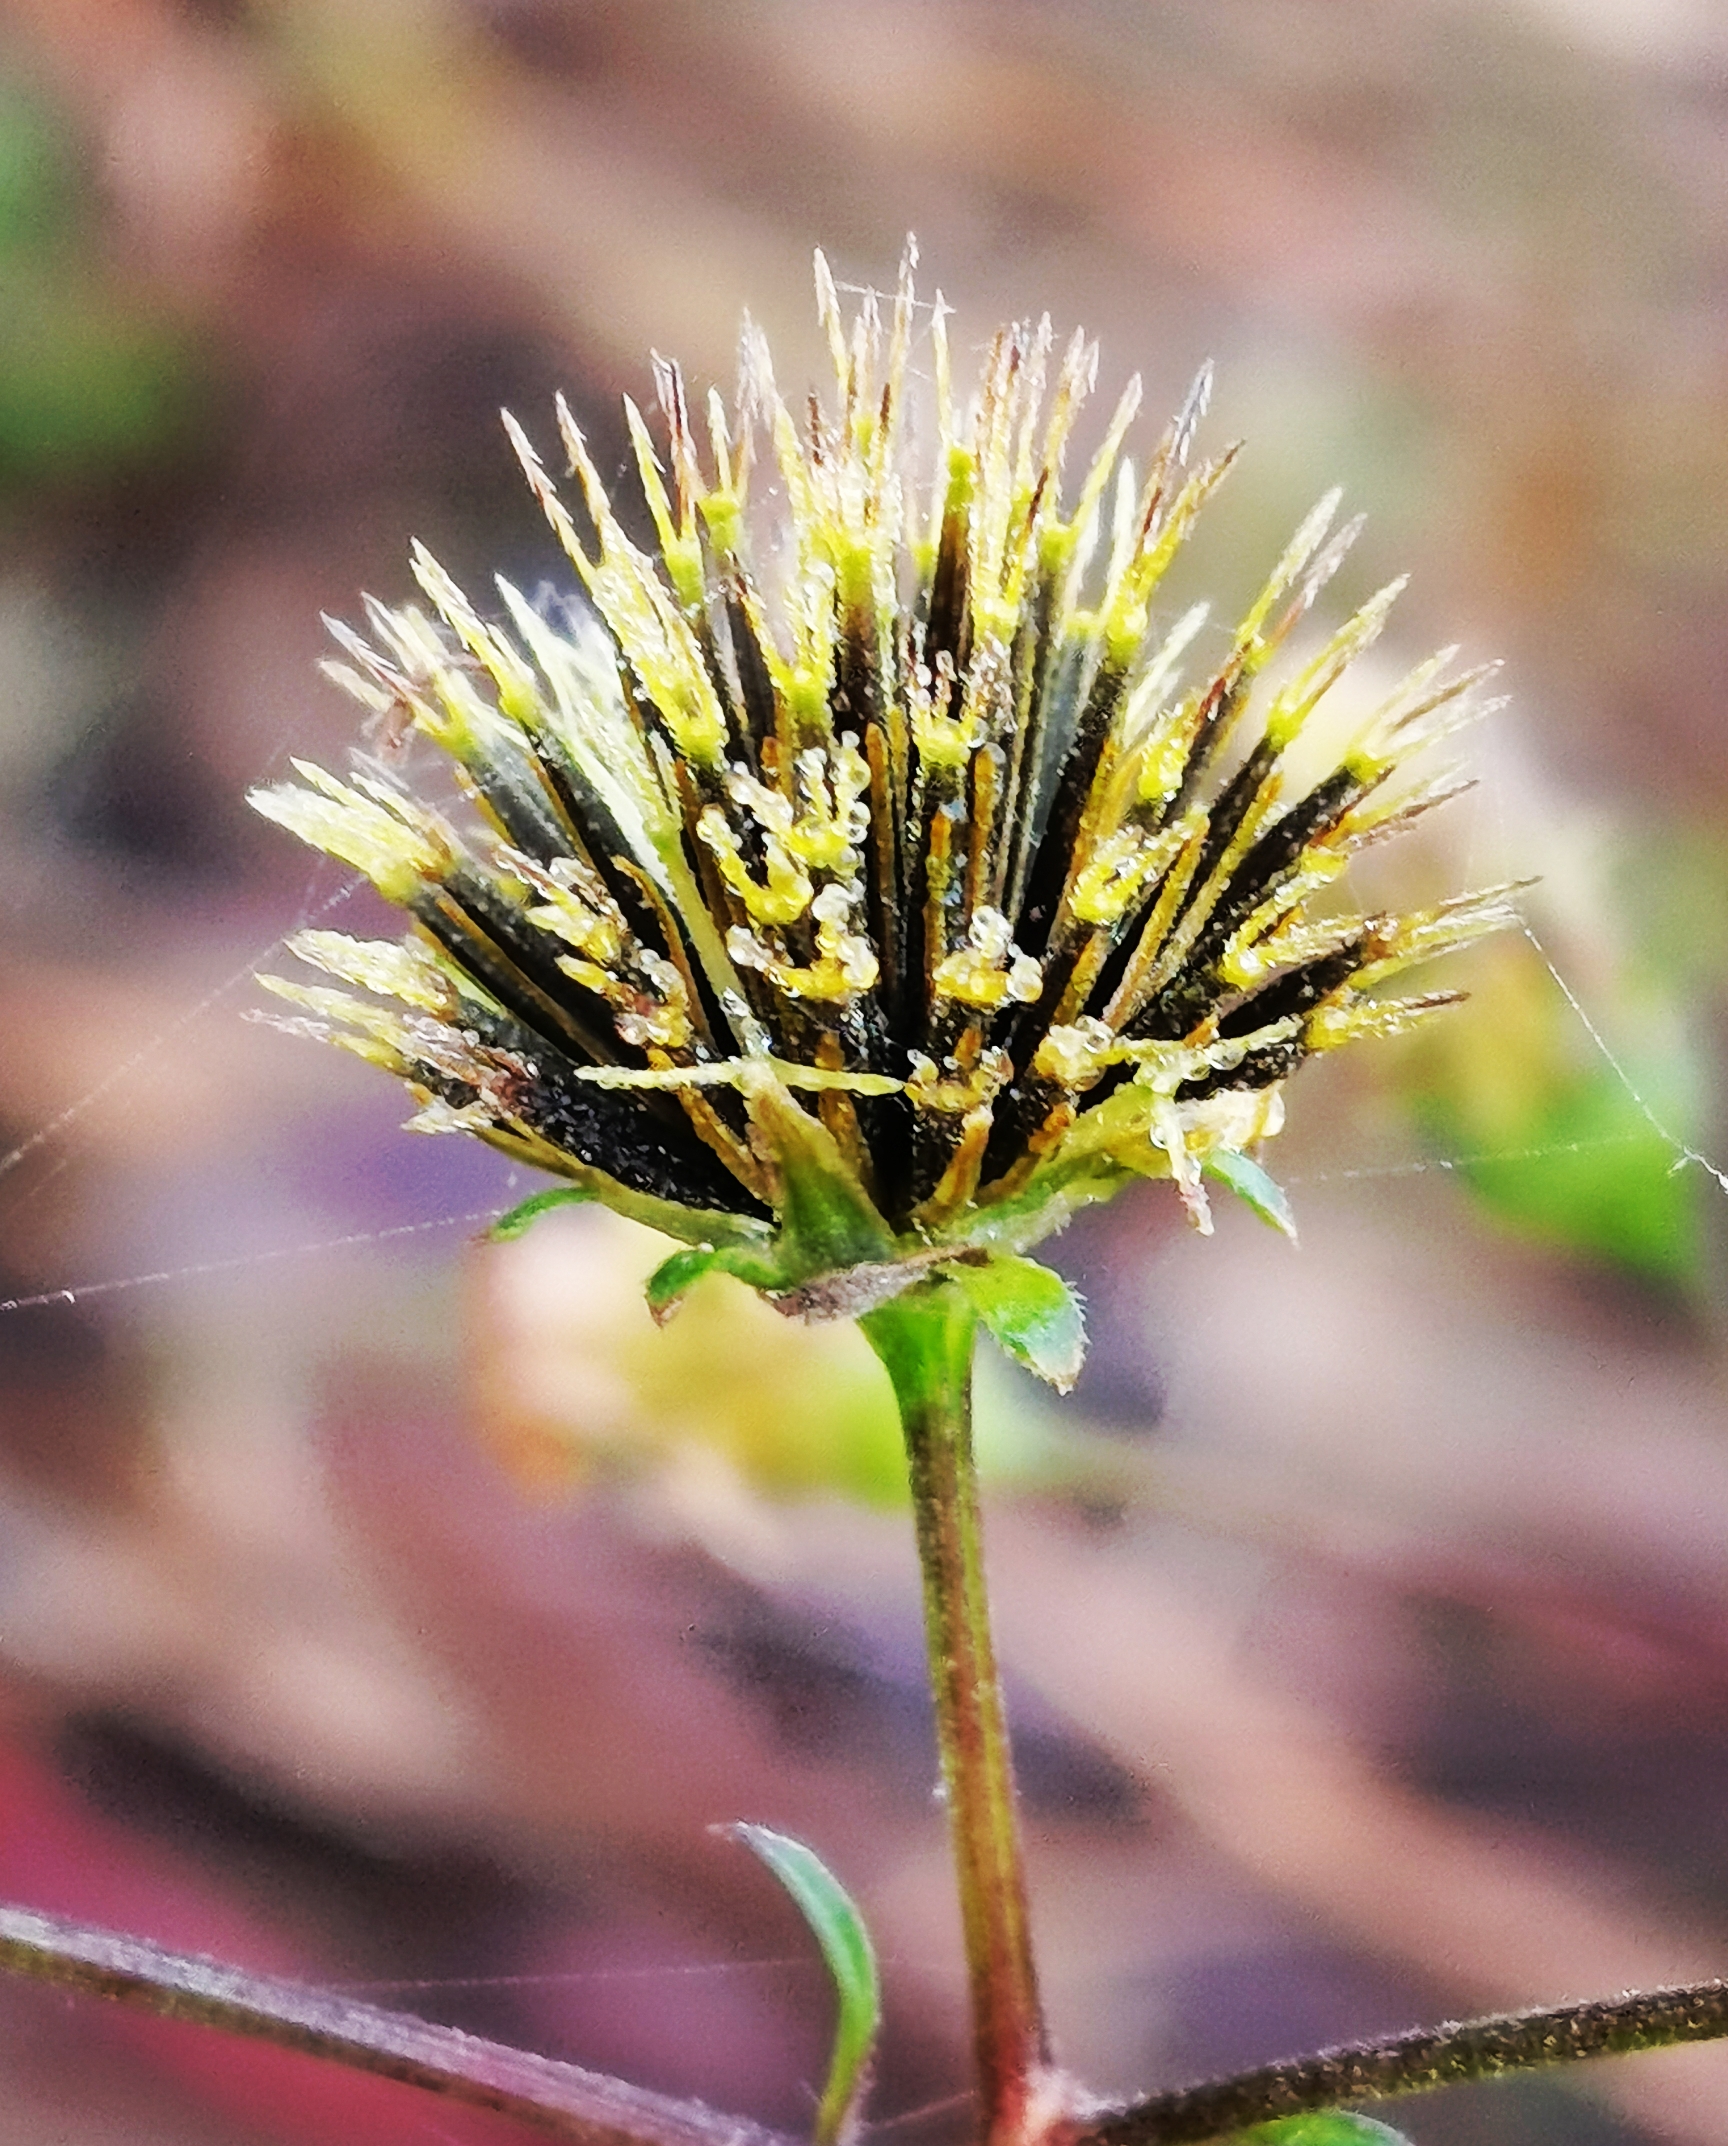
879 794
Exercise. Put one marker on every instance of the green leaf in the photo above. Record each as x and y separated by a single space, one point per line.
1253 1187
700 1226
523 1217
839 1930
1324 2127
674 1278
1033 1314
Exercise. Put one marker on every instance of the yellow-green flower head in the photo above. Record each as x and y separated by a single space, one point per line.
860 885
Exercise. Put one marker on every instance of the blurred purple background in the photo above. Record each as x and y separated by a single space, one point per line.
401 1612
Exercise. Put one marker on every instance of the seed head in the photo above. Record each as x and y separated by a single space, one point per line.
859 885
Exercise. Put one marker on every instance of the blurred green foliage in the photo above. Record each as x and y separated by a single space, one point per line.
1325 2127
1591 1175
1560 1145
89 377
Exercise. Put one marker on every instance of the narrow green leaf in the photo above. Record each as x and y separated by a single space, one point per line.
674 1278
701 1226
523 1217
1253 1187
1033 1314
839 1930
1323 2127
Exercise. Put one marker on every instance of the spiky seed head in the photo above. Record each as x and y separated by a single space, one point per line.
857 884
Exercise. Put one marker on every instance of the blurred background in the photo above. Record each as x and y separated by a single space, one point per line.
392 1611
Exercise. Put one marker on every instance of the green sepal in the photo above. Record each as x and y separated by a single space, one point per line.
523 1216
689 1225
851 1958
1031 1312
1254 1188
1047 1203
828 1222
674 1278
1322 2127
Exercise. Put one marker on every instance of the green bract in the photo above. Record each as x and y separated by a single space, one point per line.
858 887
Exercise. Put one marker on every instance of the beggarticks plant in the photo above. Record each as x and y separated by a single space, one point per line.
858 888
853 888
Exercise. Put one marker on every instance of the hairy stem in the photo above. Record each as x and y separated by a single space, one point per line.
1414 2063
925 1338
572 2104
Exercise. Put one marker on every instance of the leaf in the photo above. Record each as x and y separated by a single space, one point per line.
1323 2127
674 1278
700 1226
522 1217
839 1929
1033 1314
1251 1184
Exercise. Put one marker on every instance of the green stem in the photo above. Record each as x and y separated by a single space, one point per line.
925 1338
